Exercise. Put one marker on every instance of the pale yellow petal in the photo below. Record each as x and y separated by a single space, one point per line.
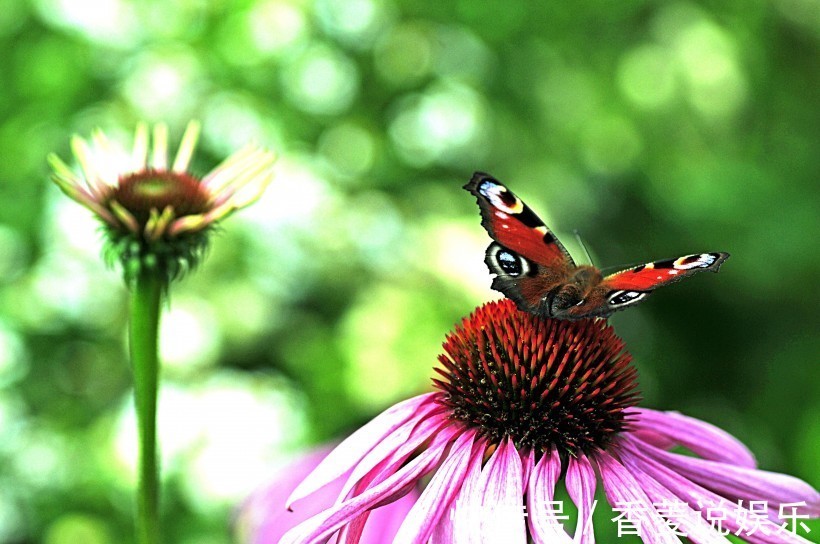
125 217
139 156
186 146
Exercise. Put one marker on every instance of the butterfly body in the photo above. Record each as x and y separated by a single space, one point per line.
534 270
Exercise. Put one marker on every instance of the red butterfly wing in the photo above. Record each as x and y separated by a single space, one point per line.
513 224
630 286
659 273
526 258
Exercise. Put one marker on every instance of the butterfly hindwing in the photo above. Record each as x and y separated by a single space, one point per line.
521 280
514 225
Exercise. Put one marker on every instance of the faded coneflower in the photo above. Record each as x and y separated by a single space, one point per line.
157 214
157 218
523 401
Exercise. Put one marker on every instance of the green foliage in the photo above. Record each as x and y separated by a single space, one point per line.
655 128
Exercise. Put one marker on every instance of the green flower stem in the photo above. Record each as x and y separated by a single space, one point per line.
145 312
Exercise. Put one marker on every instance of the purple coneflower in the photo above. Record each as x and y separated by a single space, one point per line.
156 212
522 402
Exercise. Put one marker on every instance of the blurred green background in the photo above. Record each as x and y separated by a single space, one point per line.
655 128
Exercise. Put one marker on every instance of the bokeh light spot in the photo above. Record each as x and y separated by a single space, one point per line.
107 21
717 87
349 148
11 519
275 25
404 55
164 83
646 76
75 528
455 251
296 196
389 353
460 54
446 123
375 229
189 335
231 120
355 22
218 435
321 80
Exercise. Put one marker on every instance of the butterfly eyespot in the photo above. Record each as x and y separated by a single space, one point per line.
501 198
701 260
507 263
621 298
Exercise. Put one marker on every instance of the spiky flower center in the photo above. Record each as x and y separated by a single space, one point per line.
142 192
542 382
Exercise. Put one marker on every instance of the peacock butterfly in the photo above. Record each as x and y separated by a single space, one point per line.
534 270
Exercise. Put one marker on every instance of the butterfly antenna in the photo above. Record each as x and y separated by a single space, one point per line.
583 245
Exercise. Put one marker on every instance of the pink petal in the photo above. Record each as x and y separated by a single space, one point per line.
464 518
445 530
382 523
439 493
398 445
541 511
263 519
689 520
353 531
737 517
357 445
264 516
390 466
702 438
622 488
527 465
653 438
580 481
323 525
385 521
739 482
501 487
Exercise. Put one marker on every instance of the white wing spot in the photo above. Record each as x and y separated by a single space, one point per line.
493 193
703 260
622 298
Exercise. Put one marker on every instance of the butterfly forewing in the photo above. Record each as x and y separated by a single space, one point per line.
656 274
513 224
628 287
